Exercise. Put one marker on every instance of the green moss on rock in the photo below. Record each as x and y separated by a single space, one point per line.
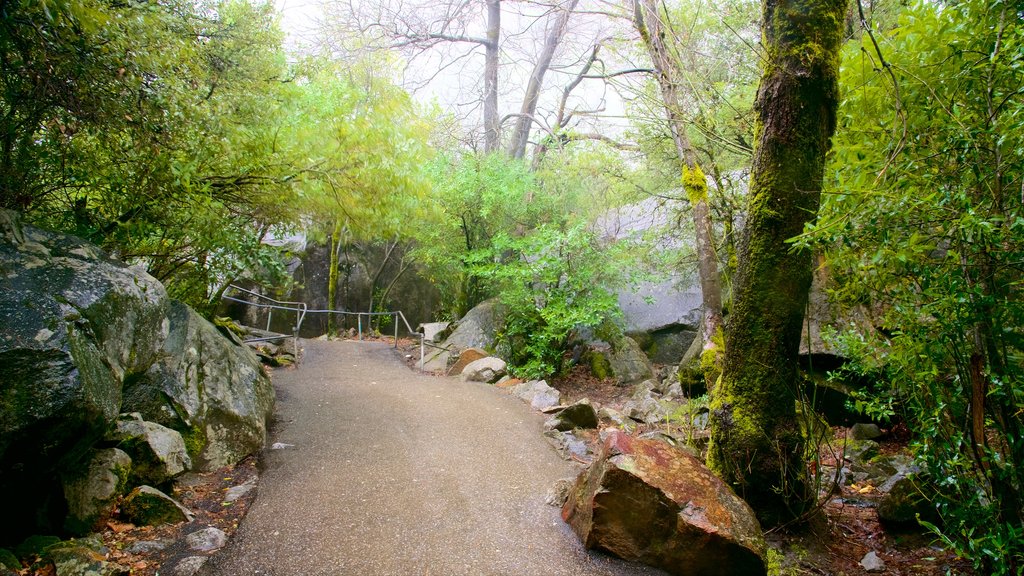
600 367
9 560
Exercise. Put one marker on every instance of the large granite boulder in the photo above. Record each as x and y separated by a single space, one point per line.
92 492
207 387
628 362
157 453
646 501
477 329
74 324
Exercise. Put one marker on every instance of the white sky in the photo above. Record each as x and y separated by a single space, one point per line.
457 88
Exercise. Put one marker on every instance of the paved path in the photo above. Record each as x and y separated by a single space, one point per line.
397 473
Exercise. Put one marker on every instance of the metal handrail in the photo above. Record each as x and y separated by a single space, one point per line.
396 314
299 308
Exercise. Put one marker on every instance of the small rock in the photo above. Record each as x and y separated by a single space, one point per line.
149 546
281 446
466 357
872 563
82 557
545 399
207 539
618 419
488 370
236 492
188 566
148 506
864 431
537 393
905 500
567 444
559 492
859 450
578 415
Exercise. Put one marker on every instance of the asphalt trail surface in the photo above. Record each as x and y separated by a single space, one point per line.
393 472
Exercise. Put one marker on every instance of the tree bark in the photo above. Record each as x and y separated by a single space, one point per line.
492 134
521 134
332 275
756 445
647 20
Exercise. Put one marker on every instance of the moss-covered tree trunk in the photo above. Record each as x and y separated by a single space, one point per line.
755 441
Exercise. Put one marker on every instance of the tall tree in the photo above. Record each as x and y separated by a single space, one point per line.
556 30
756 444
648 22
928 227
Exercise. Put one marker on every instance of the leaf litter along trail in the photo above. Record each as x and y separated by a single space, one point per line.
394 472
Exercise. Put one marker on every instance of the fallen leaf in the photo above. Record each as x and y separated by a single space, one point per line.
119 527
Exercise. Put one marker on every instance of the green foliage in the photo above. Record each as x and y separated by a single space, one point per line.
552 283
476 199
177 136
925 228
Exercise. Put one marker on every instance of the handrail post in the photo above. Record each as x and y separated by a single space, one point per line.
359 321
396 330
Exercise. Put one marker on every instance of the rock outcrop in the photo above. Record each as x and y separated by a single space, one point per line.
646 501
210 389
83 338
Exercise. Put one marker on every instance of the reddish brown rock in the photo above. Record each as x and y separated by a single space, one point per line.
647 501
468 355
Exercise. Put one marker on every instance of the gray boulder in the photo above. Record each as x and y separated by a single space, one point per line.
646 501
488 370
477 329
908 498
647 406
865 431
74 324
147 506
157 453
568 445
578 415
211 390
536 393
92 493
628 362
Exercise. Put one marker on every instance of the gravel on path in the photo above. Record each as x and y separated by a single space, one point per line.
393 472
